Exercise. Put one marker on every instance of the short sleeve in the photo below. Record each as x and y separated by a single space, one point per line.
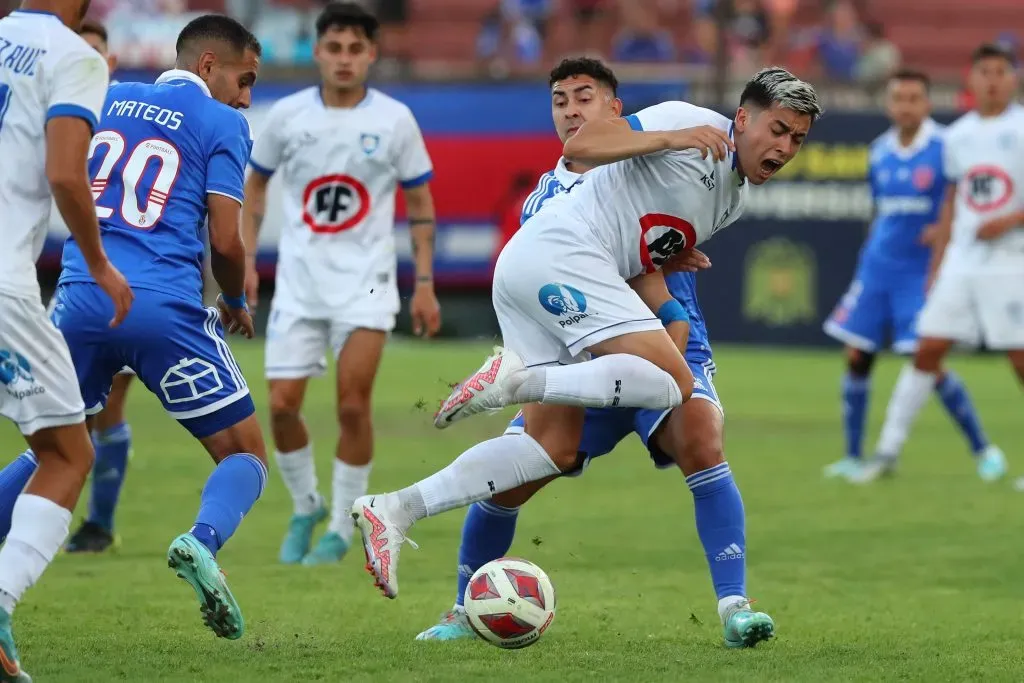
229 151
268 150
79 87
410 155
672 115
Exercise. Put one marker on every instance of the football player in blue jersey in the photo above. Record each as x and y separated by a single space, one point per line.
888 289
584 89
167 158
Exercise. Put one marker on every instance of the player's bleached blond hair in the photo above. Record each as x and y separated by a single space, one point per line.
775 85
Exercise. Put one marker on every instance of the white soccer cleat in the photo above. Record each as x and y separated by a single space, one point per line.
875 469
383 536
489 389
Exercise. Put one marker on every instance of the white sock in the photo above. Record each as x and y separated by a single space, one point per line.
500 464
39 528
350 482
620 380
908 397
298 469
726 603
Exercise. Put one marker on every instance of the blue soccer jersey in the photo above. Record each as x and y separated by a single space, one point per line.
604 428
888 289
158 152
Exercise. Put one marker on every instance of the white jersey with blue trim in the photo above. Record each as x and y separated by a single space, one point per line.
339 169
46 71
551 184
645 209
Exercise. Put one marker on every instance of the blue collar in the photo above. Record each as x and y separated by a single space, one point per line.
36 11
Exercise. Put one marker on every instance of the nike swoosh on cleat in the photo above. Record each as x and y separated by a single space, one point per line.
371 500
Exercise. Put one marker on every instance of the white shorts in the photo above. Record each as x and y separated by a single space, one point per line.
971 307
297 346
38 384
557 292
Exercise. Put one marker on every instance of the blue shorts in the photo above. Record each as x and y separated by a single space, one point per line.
879 309
176 348
604 428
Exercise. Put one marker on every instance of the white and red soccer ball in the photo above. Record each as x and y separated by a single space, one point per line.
510 602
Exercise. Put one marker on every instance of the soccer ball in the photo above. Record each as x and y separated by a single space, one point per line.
510 602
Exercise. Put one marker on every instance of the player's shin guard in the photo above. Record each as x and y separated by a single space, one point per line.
112 448
38 529
13 479
855 405
721 525
958 403
229 494
908 397
618 380
487 535
497 465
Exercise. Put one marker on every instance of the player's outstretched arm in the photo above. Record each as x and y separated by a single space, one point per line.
67 147
424 308
653 291
253 211
227 260
607 141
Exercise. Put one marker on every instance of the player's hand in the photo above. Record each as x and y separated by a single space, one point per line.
425 311
235 320
929 234
687 261
113 283
252 285
704 139
996 227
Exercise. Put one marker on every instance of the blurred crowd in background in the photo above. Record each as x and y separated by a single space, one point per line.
844 41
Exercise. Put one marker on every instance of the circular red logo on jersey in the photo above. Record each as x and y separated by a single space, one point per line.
663 236
923 178
335 203
987 188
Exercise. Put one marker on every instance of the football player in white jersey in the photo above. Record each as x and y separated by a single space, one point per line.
342 150
977 273
52 87
667 178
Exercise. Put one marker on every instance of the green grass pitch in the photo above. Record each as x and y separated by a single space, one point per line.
917 578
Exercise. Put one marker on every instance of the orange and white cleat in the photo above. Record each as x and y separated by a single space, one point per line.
489 389
376 518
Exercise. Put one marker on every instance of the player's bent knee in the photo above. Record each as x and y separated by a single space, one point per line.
558 430
518 496
286 399
244 436
930 353
692 435
859 362
69 443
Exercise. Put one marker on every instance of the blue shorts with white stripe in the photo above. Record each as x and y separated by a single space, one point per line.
176 347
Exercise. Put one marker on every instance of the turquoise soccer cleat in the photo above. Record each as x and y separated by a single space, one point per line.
991 464
845 468
299 536
329 549
744 627
10 667
193 562
454 625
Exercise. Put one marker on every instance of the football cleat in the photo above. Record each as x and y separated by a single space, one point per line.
194 563
299 536
843 469
10 667
454 625
743 627
991 464
489 389
876 469
90 538
382 539
329 549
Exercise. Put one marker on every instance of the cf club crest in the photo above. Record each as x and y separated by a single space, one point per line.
335 203
987 188
663 236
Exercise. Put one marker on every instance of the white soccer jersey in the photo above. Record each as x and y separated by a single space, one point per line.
985 158
46 71
647 208
340 169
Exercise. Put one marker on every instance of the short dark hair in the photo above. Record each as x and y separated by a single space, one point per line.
217 27
912 75
775 85
993 50
342 15
93 27
584 66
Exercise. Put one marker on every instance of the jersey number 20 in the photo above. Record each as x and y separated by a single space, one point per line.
142 216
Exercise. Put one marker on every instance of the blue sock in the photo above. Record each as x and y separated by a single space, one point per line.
718 509
855 411
954 396
112 447
229 494
487 535
12 482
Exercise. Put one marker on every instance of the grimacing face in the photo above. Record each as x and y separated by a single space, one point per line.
766 139
578 99
344 56
907 103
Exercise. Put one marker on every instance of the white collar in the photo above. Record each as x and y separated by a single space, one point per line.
182 75
924 135
564 176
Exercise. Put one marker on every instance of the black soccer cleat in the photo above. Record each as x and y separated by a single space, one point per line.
90 538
